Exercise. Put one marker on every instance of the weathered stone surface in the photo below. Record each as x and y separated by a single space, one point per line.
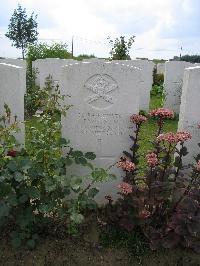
160 68
49 67
173 80
12 93
104 95
189 116
16 62
146 80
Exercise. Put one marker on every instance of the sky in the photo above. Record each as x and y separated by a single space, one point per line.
160 27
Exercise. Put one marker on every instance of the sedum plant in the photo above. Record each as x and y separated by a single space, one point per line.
164 202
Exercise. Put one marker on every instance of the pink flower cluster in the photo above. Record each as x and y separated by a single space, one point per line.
152 159
138 119
162 113
125 188
198 166
171 137
183 136
126 165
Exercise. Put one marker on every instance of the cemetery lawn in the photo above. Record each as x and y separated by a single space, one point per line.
149 129
59 249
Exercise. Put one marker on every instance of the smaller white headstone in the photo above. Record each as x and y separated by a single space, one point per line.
146 79
160 68
12 93
16 62
173 80
49 67
189 116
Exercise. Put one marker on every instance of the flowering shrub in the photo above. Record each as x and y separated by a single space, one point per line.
34 187
164 202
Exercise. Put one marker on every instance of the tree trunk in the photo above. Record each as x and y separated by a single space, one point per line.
23 51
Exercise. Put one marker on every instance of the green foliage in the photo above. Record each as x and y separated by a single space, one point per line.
44 50
22 30
84 56
135 243
37 186
190 58
157 88
120 48
158 79
34 95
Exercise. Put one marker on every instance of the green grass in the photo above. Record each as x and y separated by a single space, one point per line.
149 129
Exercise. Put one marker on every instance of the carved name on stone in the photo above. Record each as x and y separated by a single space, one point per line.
102 124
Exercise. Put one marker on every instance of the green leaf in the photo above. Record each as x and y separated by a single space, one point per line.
12 199
46 208
4 189
76 154
25 163
76 183
16 242
93 192
90 155
33 192
23 198
63 141
31 243
18 176
100 174
12 166
90 166
177 162
184 151
80 160
68 161
4 210
77 218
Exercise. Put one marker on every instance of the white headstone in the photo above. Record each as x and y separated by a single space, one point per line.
146 79
173 79
12 93
16 62
104 95
189 116
160 68
49 67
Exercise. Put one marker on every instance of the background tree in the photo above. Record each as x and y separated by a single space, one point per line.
121 48
44 50
22 29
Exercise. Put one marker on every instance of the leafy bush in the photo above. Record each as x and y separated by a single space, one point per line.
164 203
44 50
157 88
35 186
120 47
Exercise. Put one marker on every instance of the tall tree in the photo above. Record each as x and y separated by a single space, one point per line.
22 30
120 48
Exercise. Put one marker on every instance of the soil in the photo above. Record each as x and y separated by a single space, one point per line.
83 252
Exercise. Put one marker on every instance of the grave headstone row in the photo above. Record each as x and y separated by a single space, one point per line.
103 95
12 83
